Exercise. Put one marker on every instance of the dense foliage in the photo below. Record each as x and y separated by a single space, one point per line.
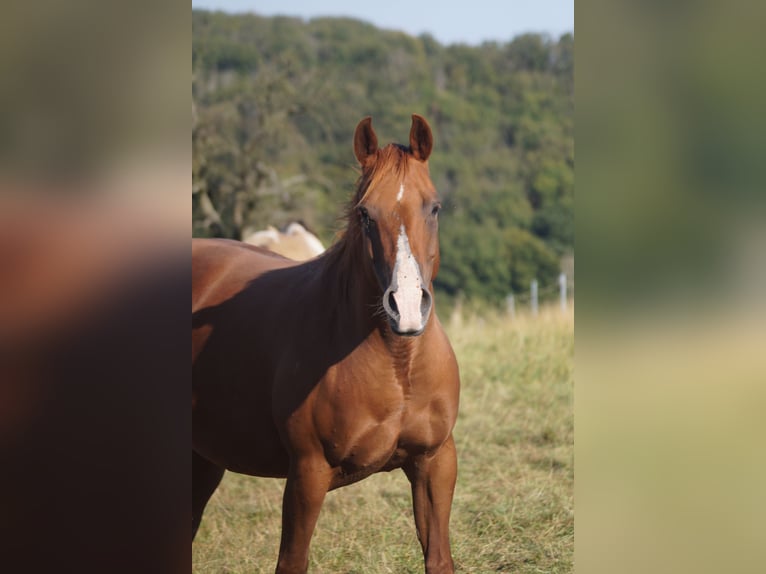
275 102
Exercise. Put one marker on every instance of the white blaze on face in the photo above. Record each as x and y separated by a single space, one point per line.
400 194
409 290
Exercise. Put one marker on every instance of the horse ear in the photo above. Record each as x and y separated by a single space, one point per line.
365 140
421 140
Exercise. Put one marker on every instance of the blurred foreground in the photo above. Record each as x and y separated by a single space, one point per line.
94 275
671 327
93 372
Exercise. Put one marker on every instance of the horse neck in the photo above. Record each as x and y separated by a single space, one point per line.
346 277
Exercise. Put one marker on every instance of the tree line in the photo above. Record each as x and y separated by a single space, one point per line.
275 101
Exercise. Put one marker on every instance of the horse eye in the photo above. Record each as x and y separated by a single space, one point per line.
365 216
435 209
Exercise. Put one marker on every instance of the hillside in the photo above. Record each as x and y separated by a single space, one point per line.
276 100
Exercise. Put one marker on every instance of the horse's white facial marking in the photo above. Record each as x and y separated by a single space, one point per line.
400 194
408 285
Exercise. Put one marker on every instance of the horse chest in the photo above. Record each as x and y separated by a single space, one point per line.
370 437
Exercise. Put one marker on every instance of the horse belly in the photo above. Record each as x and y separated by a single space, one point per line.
238 438
258 454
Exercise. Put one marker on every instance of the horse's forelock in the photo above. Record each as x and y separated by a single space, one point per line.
392 158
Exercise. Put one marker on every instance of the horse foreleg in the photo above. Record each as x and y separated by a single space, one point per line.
307 483
433 484
205 479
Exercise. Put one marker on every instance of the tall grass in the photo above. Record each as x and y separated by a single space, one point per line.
513 508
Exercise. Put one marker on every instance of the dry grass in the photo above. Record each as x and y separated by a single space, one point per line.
513 509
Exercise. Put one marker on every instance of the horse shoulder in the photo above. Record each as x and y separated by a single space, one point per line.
352 414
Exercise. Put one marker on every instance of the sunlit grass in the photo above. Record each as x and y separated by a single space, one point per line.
513 508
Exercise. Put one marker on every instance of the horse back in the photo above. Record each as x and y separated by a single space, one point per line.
220 266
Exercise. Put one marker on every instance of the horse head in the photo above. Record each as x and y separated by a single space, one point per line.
397 209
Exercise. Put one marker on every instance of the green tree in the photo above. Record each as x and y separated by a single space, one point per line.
276 100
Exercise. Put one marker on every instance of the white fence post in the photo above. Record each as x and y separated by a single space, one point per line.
510 304
533 289
563 292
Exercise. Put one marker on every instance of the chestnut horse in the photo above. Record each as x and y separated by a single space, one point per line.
328 371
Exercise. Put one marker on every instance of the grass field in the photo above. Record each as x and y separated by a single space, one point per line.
513 508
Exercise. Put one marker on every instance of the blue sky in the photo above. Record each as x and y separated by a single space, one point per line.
469 21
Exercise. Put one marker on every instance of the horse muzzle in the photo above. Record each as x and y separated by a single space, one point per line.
408 310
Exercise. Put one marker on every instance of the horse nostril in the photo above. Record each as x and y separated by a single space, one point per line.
393 307
389 304
425 304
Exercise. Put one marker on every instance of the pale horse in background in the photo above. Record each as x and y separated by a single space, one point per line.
296 242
